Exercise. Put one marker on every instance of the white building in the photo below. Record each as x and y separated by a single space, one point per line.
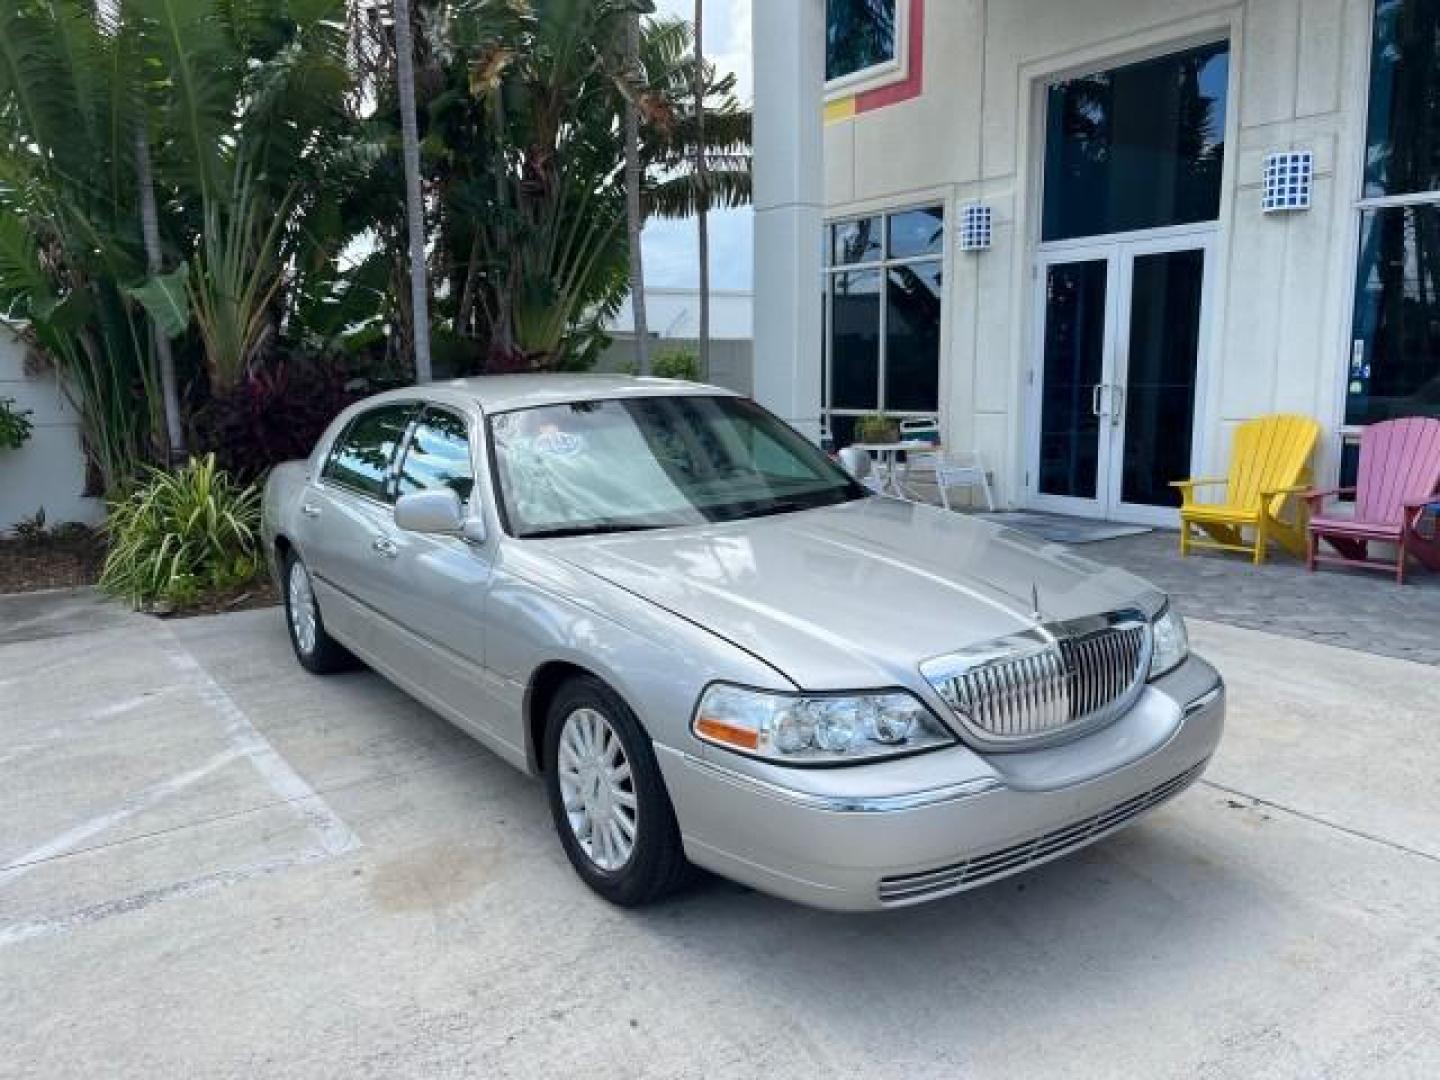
1144 287
47 472
672 317
674 314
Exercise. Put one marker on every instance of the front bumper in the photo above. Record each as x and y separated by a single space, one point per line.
901 832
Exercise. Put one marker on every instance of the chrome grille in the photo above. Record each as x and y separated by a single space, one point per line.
909 888
1060 675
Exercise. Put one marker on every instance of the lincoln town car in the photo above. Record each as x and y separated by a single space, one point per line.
716 648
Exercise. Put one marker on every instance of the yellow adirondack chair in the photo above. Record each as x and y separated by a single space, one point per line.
1270 462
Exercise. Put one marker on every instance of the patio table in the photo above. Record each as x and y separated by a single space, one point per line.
889 454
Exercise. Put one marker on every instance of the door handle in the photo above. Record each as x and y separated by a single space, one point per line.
1117 404
310 510
1095 399
384 547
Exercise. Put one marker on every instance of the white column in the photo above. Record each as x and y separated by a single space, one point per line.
789 196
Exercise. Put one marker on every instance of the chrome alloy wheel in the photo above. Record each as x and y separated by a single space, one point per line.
302 607
597 789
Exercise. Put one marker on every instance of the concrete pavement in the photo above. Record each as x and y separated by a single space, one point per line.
216 865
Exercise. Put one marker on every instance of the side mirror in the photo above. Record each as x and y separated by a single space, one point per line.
436 512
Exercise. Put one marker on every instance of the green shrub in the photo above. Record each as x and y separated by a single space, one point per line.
15 425
877 428
182 536
676 364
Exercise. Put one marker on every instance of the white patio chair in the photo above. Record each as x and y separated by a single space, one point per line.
957 470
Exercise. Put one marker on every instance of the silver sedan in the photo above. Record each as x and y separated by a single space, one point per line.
718 650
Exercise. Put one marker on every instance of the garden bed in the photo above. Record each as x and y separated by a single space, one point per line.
60 560
71 556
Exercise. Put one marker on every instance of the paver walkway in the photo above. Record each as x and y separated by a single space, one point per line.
1350 608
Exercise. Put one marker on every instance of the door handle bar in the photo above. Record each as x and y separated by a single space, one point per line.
1117 404
1095 399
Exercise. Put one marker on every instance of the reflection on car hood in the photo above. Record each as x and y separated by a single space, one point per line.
854 595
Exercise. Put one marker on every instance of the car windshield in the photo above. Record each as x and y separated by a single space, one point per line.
652 462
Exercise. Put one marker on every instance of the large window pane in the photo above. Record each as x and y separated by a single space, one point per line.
859 34
1136 147
858 241
912 338
855 340
1395 371
1402 154
917 232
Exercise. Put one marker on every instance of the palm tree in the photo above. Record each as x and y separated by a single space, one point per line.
633 220
159 336
414 208
702 177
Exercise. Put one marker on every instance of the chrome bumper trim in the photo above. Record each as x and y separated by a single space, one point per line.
846 804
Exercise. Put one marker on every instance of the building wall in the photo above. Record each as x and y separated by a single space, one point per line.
48 471
732 363
1279 309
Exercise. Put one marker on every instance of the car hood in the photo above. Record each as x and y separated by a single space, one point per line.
855 595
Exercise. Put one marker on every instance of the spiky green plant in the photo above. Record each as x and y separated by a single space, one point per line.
182 535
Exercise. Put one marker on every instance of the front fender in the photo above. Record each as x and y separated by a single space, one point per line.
545 611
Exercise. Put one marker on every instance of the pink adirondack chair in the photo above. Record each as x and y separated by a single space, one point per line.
1399 475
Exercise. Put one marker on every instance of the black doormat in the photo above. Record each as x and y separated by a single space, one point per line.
1060 529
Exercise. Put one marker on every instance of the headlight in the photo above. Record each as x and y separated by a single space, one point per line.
1172 644
801 729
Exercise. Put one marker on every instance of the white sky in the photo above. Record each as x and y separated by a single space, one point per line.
670 246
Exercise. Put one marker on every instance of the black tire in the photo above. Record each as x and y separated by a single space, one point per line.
656 866
325 655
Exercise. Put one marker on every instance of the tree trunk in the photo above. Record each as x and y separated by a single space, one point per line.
633 223
702 175
164 357
414 206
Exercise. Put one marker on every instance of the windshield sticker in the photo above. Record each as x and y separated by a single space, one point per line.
556 443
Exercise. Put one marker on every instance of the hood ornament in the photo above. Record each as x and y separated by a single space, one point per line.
1035 603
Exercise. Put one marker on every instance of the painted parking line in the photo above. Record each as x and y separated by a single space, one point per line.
243 742
334 835
72 838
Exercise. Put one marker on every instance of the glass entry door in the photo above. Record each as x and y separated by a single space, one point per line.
1114 384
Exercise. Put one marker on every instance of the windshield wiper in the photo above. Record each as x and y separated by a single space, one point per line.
586 530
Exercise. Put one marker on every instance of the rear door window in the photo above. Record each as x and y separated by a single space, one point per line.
438 456
362 457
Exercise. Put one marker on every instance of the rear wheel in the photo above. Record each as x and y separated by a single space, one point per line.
608 799
316 650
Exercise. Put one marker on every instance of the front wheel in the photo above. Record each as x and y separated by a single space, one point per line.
607 797
316 650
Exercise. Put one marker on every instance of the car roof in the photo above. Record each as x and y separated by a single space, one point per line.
499 393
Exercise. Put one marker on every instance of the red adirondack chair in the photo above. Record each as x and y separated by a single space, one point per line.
1399 475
